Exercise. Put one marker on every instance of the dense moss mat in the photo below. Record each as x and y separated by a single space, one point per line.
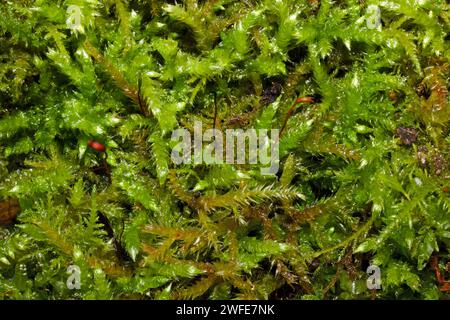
363 176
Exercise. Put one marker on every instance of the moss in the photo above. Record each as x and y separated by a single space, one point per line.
86 116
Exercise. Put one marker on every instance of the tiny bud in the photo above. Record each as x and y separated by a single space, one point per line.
96 146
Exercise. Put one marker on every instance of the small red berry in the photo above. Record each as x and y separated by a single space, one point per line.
96 146
305 100
445 189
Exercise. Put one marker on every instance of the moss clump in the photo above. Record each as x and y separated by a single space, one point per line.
364 155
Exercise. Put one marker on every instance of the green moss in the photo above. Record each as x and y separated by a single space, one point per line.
363 168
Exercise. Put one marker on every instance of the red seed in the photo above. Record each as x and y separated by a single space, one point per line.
305 100
96 146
